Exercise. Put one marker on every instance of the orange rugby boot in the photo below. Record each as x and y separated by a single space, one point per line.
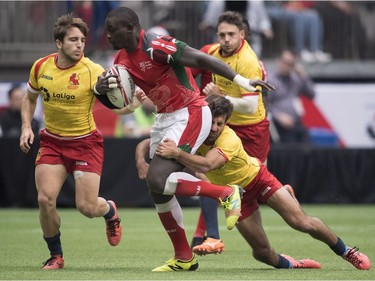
53 263
359 260
304 263
209 246
114 227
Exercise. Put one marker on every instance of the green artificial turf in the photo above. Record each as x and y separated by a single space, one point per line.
145 245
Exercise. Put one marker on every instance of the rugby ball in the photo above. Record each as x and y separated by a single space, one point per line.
121 96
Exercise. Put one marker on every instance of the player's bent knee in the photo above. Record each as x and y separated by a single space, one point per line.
46 202
86 210
171 184
155 183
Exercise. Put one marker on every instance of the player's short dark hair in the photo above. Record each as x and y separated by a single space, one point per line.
246 27
65 22
231 17
124 15
219 106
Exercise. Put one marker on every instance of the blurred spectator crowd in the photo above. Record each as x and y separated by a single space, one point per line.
317 30
314 32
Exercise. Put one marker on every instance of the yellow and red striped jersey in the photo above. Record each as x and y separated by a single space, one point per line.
67 94
245 62
239 167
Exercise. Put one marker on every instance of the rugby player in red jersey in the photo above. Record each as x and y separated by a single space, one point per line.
159 65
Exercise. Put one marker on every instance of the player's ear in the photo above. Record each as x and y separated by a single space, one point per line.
242 34
58 44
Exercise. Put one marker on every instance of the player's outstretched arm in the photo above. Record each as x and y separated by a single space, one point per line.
245 105
194 58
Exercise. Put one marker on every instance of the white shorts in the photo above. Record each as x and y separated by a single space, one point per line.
187 127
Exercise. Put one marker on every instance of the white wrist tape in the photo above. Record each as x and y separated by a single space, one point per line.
243 82
112 80
113 85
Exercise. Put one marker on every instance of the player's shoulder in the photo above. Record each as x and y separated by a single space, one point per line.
119 57
43 64
91 65
46 59
228 141
163 49
247 53
88 61
210 48
228 136
152 40
248 63
213 48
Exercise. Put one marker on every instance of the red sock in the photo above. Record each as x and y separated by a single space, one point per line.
201 227
202 188
177 235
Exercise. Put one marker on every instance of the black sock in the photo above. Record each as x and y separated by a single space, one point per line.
54 245
110 213
283 263
339 248
210 220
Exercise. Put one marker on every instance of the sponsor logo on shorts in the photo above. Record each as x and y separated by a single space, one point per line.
198 190
266 190
81 163
40 151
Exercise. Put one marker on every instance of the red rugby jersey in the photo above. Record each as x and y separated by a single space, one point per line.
154 67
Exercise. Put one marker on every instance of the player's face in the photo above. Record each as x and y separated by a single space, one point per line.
217 127
118 34
229 37
73 45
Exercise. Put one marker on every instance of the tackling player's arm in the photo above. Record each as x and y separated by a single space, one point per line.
27 112
141 154
213 159
202 177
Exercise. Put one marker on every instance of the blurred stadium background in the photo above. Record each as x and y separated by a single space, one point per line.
338 168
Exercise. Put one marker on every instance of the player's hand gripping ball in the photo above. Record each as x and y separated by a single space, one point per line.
122 93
